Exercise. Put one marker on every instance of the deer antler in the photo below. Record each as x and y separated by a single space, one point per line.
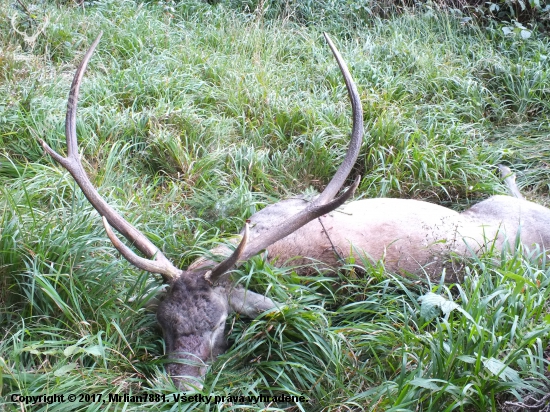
323 203
159 263
356 132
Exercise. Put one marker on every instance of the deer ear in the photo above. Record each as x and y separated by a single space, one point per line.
249 303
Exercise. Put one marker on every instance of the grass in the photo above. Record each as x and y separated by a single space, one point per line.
194 116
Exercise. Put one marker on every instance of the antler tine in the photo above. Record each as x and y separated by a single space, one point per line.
323 203
356 132
213 275
160 264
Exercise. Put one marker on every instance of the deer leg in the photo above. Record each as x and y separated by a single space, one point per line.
510 181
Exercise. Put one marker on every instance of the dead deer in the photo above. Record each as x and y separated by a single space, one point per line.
409 236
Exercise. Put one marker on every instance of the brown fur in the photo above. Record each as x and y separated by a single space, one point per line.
408 236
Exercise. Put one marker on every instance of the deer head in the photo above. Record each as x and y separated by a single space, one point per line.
194 311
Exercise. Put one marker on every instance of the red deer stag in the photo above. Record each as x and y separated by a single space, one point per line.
410 236
193 313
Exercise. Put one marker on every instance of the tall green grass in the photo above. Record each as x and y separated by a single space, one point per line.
194 116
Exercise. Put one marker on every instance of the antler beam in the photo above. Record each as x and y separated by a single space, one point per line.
159 263
356 132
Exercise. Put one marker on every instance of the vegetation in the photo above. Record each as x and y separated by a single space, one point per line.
192 117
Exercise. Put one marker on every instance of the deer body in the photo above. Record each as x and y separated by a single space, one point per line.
408 236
